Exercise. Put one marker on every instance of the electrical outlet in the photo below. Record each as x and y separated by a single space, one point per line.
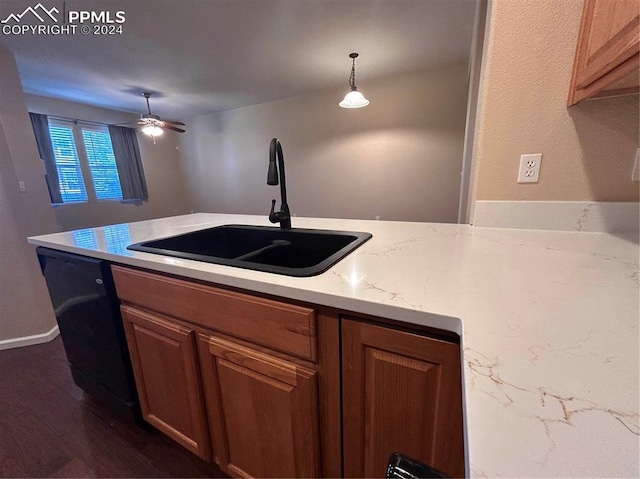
529 171
22 186
635 176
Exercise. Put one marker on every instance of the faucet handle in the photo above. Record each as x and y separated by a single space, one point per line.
273 216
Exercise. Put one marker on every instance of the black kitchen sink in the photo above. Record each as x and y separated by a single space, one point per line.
292 252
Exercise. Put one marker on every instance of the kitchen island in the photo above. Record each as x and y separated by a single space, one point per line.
548 324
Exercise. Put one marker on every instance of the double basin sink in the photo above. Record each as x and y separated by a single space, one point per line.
292 252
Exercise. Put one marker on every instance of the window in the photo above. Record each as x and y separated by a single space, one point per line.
69 173
88 162
84 151
102 163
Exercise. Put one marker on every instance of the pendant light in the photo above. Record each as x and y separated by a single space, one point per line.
353 99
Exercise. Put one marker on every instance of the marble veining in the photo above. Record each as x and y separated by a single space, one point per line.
548 323
584 217
554 407
604 217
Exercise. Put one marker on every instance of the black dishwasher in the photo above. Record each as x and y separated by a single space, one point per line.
86 307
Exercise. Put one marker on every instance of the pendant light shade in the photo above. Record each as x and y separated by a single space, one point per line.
353 99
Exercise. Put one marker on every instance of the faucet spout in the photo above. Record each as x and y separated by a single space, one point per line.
276 175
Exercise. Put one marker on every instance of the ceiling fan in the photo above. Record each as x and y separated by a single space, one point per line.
152 125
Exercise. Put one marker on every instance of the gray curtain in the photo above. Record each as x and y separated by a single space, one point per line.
45 148
129 163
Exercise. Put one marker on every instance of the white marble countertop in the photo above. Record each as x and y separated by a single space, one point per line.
549 325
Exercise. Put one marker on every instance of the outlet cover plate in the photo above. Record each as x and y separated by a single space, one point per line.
529 171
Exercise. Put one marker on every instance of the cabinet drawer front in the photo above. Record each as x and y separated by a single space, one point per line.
274 324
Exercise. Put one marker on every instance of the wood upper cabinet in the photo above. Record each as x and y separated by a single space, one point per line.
167 378
401 393
607 56
263 411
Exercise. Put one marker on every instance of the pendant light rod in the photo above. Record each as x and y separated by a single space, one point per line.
352 78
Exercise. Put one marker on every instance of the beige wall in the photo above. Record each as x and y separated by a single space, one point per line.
399 158
25 309
588 150
161 162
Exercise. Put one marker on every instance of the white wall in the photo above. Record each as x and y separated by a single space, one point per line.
162 168
25 309
399 158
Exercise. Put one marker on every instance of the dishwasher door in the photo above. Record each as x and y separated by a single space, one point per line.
86 307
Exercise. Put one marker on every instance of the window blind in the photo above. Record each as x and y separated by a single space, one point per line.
102 162
72 186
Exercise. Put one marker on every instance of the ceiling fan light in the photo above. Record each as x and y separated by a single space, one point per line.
152 130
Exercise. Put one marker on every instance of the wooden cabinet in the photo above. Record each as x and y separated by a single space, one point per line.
275 324
167 378
401 393
259 370
607 56
263 411
262 387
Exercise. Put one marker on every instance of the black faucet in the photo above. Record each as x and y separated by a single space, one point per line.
283 216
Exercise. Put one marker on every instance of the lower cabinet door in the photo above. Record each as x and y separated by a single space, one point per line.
165 366
401 393
263 411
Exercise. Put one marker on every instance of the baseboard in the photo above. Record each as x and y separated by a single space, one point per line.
30 340
588 216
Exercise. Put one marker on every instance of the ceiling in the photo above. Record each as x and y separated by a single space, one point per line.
200 56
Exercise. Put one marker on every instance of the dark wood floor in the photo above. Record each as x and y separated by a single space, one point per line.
49 428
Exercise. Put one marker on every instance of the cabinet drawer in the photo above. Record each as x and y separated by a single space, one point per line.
285 327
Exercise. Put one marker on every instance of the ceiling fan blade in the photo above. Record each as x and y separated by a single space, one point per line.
174 122
129 123
173 128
